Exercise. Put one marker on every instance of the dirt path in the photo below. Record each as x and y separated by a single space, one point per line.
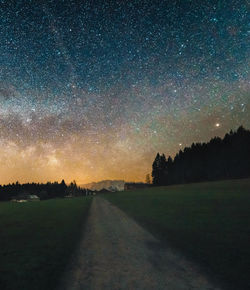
116 253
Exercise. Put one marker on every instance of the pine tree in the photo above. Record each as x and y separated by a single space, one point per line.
156 170
163 169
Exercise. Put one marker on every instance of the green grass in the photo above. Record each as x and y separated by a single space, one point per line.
37 240
208 222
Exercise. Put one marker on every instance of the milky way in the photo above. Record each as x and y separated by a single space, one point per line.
92 90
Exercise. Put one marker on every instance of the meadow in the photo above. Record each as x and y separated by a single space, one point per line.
207 222
37 240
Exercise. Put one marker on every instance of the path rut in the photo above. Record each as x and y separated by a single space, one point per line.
117 253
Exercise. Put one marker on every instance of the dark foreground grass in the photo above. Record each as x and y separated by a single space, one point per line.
208 222
37 240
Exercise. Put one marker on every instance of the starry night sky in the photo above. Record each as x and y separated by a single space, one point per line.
92 90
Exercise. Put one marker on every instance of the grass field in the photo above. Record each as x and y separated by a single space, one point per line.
208 222
37 239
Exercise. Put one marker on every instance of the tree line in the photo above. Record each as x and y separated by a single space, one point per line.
218 159
42 190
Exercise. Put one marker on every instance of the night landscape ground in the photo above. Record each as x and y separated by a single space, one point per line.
209 222
117 253
205 223
37 239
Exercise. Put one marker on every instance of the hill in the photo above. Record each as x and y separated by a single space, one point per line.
111 185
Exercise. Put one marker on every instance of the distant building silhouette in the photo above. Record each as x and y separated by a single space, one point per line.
135 185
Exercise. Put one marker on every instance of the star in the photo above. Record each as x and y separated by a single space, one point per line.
92 91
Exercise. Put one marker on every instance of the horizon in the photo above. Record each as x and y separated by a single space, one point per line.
92 91
123 180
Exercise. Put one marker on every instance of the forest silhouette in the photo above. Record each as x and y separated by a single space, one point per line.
42 190
226 158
